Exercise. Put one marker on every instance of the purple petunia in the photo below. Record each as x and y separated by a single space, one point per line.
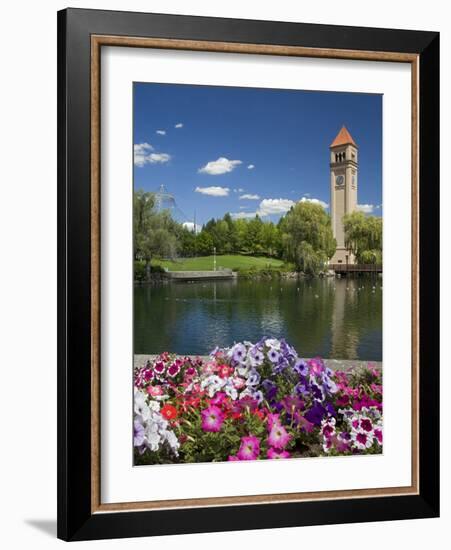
315 414
138 433
301 367
273 355
239 353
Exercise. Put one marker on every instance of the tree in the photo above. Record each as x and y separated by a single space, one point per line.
204 243
155 233
187 240
253 237
271 240
363 237
307 238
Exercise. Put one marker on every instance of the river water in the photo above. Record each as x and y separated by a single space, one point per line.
331 318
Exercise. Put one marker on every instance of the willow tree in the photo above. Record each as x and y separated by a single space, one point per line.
154 233
363 237
307 238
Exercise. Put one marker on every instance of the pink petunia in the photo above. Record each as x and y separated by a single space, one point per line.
155 391
278 437
249 448
219 398
209 368
316 366
212 419
224 371
273 419
238 383
275 453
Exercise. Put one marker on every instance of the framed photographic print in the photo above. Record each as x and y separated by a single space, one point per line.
248 274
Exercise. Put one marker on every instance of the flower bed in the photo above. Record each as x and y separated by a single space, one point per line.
250 402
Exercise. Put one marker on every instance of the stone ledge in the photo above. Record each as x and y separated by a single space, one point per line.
334 364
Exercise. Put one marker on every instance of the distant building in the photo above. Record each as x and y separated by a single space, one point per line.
343 189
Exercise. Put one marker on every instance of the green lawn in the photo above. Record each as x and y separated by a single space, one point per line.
205 263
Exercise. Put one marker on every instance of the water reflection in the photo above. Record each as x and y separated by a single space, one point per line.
338 318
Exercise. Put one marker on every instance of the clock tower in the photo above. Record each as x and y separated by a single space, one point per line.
343 189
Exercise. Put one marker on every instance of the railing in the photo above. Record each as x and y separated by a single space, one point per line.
356 268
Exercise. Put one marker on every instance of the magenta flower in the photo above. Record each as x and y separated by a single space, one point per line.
343 401
190 371
362 440
366 424
212 419
148 375
316 366
378 435
278 437
219 398
249 448
273 420
159 368
342 444
233 458
174 369
328 430
275 453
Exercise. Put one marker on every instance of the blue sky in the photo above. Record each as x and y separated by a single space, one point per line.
247 150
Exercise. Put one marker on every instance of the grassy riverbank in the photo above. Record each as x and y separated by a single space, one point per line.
235 262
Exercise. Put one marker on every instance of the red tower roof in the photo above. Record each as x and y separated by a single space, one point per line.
343 138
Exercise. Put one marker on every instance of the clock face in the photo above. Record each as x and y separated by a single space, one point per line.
340 180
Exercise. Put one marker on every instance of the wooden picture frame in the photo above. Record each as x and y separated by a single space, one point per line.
81 35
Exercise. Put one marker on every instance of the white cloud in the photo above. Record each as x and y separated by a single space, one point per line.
143 155
220 166
213 191
274 206
140 152
190 226
250 197
250 166
155 158
161 132
378 206
269 207
365 208
179 125
142 148
306 195
243 215
314 201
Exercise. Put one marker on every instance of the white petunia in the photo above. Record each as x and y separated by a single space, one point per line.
153 440
154 406
172 440
231 392
140 405
273 343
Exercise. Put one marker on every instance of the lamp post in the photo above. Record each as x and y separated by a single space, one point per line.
214 258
